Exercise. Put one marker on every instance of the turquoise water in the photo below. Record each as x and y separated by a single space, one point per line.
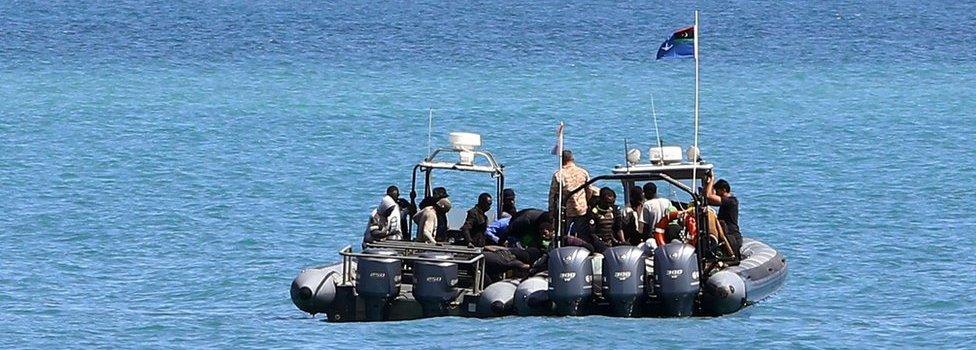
166 168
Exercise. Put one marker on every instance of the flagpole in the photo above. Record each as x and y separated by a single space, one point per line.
559 201
694 175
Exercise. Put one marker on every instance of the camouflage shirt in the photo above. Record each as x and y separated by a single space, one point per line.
573 178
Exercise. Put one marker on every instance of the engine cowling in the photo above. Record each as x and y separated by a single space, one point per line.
676 274
378 281
434 282
570 280
623 279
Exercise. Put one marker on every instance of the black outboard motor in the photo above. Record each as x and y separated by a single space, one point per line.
570 278
676 272
378 281
434 283
623 279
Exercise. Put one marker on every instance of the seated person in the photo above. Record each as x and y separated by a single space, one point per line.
476 223
605 221
428 220
508 203
384 222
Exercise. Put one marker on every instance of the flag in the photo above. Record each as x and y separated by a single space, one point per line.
681 44
557 150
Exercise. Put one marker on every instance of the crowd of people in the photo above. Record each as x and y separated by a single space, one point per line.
518 240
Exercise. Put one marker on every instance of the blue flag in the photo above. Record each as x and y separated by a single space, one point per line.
681 44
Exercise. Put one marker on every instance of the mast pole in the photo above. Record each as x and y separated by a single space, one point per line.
430 125
694 175
559 201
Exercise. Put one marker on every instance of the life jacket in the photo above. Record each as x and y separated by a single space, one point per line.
601 222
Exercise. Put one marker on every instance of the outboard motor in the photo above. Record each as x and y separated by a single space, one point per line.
623 279
434 283
676 272
570 278
497 299
314 290
532 297
378 281
725 293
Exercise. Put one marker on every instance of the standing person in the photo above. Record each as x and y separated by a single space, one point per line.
634 217
475 224
437 194
384 222
720 193
508 203
407 210
572 177
428 220
654 208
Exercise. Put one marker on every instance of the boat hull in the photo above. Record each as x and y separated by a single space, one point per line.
762 272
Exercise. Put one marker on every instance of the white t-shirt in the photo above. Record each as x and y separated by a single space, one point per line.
654 210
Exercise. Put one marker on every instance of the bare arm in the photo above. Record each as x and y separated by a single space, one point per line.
429 226
710 196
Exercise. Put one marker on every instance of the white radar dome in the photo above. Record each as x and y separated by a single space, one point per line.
465 141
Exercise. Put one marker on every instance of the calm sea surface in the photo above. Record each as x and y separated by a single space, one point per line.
167 167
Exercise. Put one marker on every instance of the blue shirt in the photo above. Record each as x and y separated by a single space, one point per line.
497 230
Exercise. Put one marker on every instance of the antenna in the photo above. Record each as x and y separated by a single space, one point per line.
430 125
657 132
626 161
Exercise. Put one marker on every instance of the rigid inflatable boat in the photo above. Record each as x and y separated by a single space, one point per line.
402 280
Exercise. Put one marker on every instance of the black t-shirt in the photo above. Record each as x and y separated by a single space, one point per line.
728 212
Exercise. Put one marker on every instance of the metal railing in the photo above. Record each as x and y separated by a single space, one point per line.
478 260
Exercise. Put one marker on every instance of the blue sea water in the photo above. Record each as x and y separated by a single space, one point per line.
167 167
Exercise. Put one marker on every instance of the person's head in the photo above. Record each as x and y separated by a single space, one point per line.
439 192
443 205
650 190
386 207
393 192
722 188
546 231
545 226
508 196
636 196
607 197
484 201
568 157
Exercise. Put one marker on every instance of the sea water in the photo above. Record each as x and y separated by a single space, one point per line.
167 167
